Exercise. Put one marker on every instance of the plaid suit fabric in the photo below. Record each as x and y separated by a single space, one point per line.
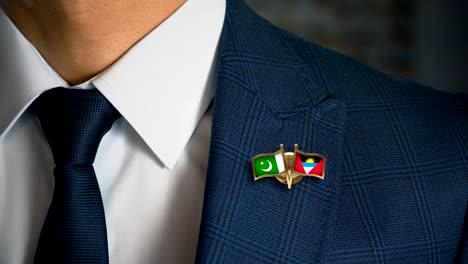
395 189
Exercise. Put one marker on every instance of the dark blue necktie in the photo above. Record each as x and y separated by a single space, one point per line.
74 122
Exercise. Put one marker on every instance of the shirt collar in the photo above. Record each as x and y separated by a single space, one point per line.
162 86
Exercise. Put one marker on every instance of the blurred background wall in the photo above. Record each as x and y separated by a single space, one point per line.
424 40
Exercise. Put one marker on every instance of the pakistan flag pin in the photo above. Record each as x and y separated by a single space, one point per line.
289 167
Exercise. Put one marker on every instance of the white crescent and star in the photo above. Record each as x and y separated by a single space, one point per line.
270 166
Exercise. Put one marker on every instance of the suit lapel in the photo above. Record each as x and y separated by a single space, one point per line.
266 96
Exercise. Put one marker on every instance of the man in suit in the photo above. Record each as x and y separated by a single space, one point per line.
174 172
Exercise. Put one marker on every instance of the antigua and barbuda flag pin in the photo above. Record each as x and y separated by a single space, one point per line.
289 167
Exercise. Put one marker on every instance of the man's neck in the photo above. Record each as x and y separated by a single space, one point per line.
81 38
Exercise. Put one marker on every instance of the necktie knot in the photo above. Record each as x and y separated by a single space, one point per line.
74 122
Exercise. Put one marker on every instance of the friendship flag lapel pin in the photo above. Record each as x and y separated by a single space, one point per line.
289 167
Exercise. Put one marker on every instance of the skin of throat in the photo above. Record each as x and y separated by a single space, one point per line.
81 38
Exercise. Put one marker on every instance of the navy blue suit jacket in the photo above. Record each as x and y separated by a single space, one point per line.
396 185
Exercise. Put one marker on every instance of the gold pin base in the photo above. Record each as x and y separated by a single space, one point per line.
289 177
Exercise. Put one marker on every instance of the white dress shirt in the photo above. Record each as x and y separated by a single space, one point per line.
150 166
